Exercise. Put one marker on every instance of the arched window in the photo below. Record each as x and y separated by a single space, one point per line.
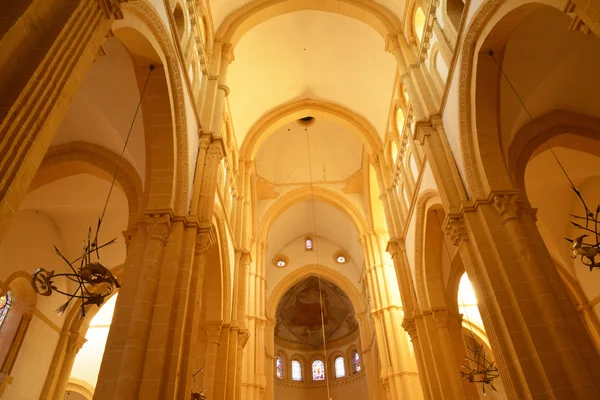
356 361
308 244
318 370
394 152
5 303
467 302
179 21
279 368
340 369
419 23
296 370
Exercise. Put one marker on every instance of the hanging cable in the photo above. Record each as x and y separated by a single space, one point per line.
312 196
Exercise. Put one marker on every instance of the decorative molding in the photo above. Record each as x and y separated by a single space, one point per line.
440 317
205 239
507 206
173 74
243 336
410 326
213 332
454 227
158 226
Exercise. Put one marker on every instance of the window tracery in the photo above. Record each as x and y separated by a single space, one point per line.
296 370
318 370
356 361
5 303
340 368
279 368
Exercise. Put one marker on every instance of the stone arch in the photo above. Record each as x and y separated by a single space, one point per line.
280 116
78 157
562 129
425 202
488 29
247 17
81 387
313 270
305 193
149 42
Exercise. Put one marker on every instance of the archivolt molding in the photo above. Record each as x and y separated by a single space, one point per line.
148 15
486 17
307 192
421 210
238 23
79 157
280 116
82 387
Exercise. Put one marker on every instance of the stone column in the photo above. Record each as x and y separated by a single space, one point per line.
74 343
213 337
410 326
132 364
538 340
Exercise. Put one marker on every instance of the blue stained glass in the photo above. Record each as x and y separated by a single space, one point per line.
5 303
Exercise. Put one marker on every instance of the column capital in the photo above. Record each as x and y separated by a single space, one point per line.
243 337
204 141
76 341
410 326
205 239
158 226
111 8
506 205
440 317
395 246
213 332
454 227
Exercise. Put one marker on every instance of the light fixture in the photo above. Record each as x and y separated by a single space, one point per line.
280 261
308 243
341 257
94 281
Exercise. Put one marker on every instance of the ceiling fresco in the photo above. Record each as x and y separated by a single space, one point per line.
299 313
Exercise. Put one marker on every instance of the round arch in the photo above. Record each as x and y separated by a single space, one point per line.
313 270
282 115
305 193
489 29
78 157
149 42
238 23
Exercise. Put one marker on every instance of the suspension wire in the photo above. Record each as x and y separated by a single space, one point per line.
539 131
112 185
316 248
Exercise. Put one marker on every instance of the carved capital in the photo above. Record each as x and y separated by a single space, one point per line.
75 343
243 337
111 8
213 332
245 259
423 131
440 317
158 226
395 246
454 227
506 205
205 239
204 141
215 150
374 159
410 326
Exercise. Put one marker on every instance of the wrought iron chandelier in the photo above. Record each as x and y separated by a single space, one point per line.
94 281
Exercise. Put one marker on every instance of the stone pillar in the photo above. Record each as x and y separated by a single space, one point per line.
213 335
132 364
74 342
538 340
410 326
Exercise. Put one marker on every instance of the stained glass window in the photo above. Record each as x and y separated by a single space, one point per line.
5 302
340 369
296 371
318 370
279 368
356 361
308 244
